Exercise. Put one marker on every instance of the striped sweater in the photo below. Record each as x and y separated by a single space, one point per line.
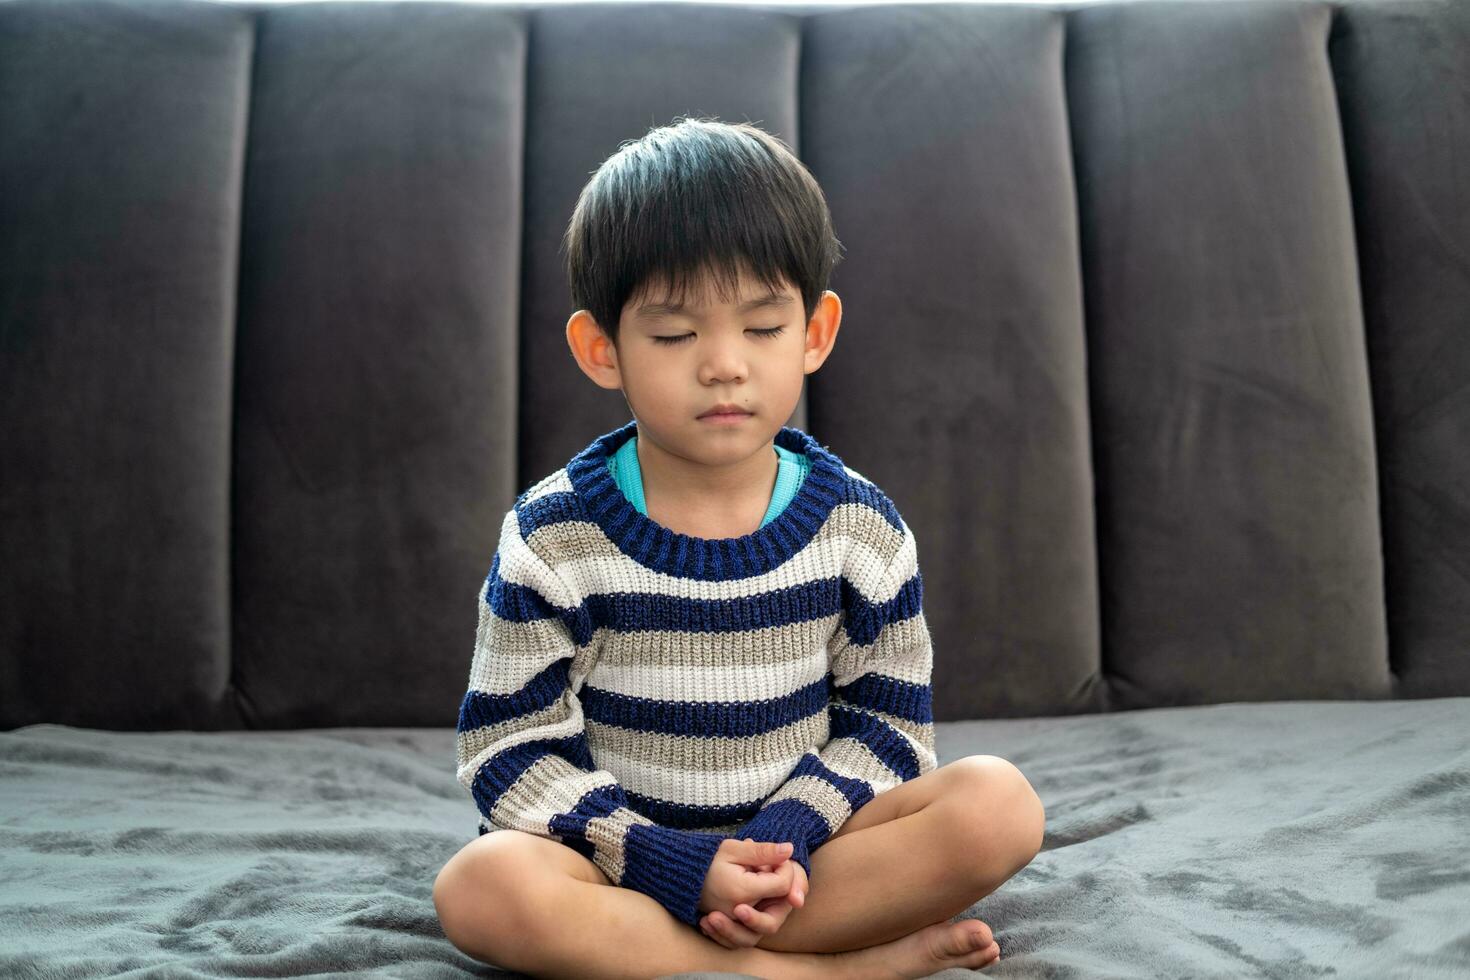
642 695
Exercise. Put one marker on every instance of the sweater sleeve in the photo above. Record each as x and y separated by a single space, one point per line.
880 707
522 751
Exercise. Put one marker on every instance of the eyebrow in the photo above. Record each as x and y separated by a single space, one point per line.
652 310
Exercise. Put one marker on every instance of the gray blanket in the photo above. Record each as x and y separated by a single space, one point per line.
1284 839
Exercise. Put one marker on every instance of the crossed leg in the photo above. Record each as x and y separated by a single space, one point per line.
889 871
920 853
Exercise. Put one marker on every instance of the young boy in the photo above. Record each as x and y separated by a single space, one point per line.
699 708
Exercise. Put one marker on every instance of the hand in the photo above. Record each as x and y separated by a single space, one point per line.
762 893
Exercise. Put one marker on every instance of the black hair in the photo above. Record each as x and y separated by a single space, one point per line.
699 200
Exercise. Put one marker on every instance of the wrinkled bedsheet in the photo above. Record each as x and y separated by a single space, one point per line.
1281 839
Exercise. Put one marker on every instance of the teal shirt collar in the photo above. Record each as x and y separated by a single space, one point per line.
791 469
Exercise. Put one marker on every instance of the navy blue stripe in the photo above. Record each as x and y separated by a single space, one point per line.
481 708
862 492
887 743
865 619
564 505
857 791
513 601
500 772
892 696
523 604
713 719
687 816
628 612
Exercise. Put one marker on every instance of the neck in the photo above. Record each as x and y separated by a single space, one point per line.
727 494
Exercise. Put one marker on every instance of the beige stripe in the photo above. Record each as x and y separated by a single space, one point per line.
789 643
587 559
850 756
884 561
550 786
561 719
706 771
478 744
608 836
903 650
508 654
821 795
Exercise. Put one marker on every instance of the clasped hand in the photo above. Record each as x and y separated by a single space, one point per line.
750 889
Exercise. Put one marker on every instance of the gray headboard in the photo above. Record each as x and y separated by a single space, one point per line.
1156 328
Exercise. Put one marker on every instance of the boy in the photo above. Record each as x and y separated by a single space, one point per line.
701 653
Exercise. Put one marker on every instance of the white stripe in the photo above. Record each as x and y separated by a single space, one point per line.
725 787
709 683
522 566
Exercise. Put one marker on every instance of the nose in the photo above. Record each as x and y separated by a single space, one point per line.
723 361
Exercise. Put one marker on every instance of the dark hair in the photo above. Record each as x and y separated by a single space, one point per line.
698 200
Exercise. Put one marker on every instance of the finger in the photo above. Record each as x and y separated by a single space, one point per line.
771 884
714 936
768 852
718 929
732 930
756 920
773 905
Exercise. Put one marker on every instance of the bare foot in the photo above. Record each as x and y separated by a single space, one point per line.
967 943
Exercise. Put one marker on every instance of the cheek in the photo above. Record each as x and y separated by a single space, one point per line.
653 394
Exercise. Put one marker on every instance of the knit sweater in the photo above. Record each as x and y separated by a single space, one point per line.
642 695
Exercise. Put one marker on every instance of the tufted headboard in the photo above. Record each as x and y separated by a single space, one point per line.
1156 328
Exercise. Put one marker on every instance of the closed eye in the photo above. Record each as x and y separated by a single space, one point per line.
766 332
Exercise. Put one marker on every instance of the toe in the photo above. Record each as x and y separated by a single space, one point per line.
972 937
960 939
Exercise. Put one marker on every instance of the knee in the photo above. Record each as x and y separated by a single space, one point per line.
484 866
999 799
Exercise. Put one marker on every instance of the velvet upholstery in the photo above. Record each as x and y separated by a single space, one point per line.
1153 319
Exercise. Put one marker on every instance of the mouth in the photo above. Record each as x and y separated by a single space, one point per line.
721 415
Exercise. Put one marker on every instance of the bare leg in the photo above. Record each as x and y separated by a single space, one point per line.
536 906
921 853
545 920
526 903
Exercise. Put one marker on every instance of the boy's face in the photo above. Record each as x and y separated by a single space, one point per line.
674 364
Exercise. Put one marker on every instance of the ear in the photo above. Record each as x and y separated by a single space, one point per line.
821 331
593 350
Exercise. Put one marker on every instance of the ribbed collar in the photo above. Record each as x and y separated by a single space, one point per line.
665 550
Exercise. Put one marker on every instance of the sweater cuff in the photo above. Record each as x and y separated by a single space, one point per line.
789 820
670 866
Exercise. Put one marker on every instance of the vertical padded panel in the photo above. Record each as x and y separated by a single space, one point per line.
377 387
958 382
121 142
1403 72
602 75
1236 484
